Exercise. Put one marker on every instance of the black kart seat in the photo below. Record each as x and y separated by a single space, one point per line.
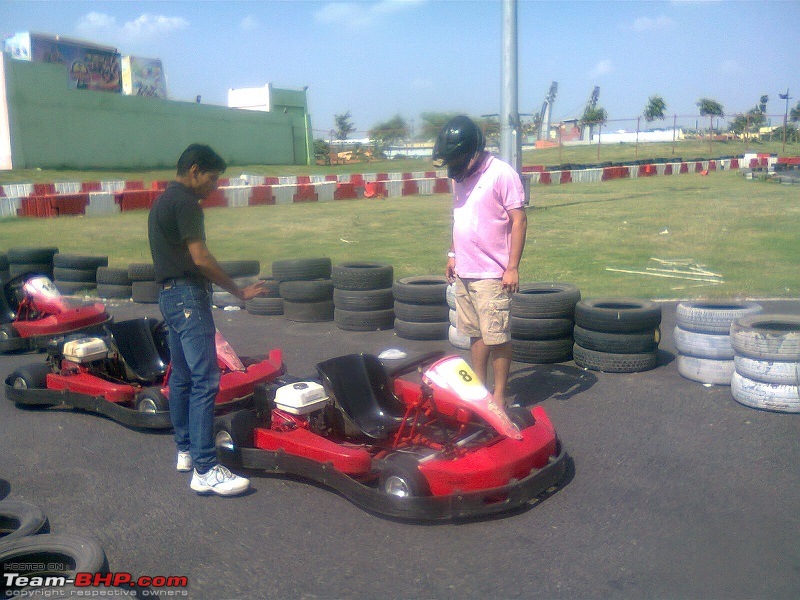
362 391
137 348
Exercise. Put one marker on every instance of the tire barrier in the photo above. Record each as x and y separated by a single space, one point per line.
542 321
362 296
457 340
617 335
5 275
420 307
30 260
74 273
144 288
243 273
767 353
702 338
306 287
113 283
269 302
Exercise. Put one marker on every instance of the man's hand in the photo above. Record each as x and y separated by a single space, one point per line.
511 280
251 291
450 270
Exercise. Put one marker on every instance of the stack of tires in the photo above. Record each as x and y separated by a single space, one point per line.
31 260
144 288
113 283
617 335
362 296
5 273
243 273
457 340
306 288
767 357
420 308
268 302
702 338
75 273
542 320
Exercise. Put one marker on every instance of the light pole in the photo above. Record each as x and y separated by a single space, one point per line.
785 116
510 134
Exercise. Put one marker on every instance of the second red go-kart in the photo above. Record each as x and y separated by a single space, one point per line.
124 373
33 312
438 448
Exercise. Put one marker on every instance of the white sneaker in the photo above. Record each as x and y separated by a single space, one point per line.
219 480
184 462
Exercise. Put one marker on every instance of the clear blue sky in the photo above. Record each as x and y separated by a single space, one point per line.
378 58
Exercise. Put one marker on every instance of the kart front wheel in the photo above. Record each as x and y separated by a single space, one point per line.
7 332
401 477
151 400
30 377
235 430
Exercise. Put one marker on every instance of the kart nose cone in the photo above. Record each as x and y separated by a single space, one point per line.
397 486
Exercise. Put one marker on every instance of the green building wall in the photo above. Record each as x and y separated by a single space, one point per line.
52 126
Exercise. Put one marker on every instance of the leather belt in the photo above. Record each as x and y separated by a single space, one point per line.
175 281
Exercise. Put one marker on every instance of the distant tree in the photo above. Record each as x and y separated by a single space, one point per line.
655 109
753 119
593 115
432 123
762 104
390 132
322 152
794 114
710 108
344 125
490 126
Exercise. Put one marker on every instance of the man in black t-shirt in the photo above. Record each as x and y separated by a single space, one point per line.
186 268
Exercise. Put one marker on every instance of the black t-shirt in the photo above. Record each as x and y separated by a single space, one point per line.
175 218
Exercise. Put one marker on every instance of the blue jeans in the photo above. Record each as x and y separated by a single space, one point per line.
194 375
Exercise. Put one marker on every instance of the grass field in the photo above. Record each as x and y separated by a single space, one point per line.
740 235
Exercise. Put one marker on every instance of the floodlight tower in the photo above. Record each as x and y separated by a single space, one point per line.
547 108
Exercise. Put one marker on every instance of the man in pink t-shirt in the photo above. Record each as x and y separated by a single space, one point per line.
489 228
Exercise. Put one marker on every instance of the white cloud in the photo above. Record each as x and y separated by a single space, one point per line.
647 24
99 24
249 23
601 68
360 15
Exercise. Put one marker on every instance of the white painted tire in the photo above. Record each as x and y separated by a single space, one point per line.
706 370
765 396
713 317
457 340
450 294
767 337
768 371
453 317
703 345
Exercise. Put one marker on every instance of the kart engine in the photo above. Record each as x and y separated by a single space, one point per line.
301 398
85 350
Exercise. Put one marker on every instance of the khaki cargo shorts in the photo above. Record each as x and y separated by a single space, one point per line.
483 310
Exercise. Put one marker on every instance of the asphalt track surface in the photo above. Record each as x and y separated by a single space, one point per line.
677 491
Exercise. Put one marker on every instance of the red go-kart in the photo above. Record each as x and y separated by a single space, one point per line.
438 448
124 373
33 312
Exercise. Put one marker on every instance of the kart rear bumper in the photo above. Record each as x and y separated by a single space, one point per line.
515 494
37 342
96 404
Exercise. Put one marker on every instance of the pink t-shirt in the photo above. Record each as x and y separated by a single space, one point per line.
481 223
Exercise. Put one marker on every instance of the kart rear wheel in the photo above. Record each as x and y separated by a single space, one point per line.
401 477
151 400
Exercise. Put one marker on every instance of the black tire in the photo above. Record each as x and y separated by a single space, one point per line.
400 476
541 352
3 262
74 287
521 416
264 306
362 276
545 301
611 362
426 289
316 290
19 519
617 315
151 400
523 328
30 377
16 269
363 320
308 312
421 331
30 255
623 343
422 313
76 554
111 276
270 287
7 332
363 300
145 292
713 317
234 430
241 283
301 269
141 272
767 337
110 291
84 275
79 261
240 268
